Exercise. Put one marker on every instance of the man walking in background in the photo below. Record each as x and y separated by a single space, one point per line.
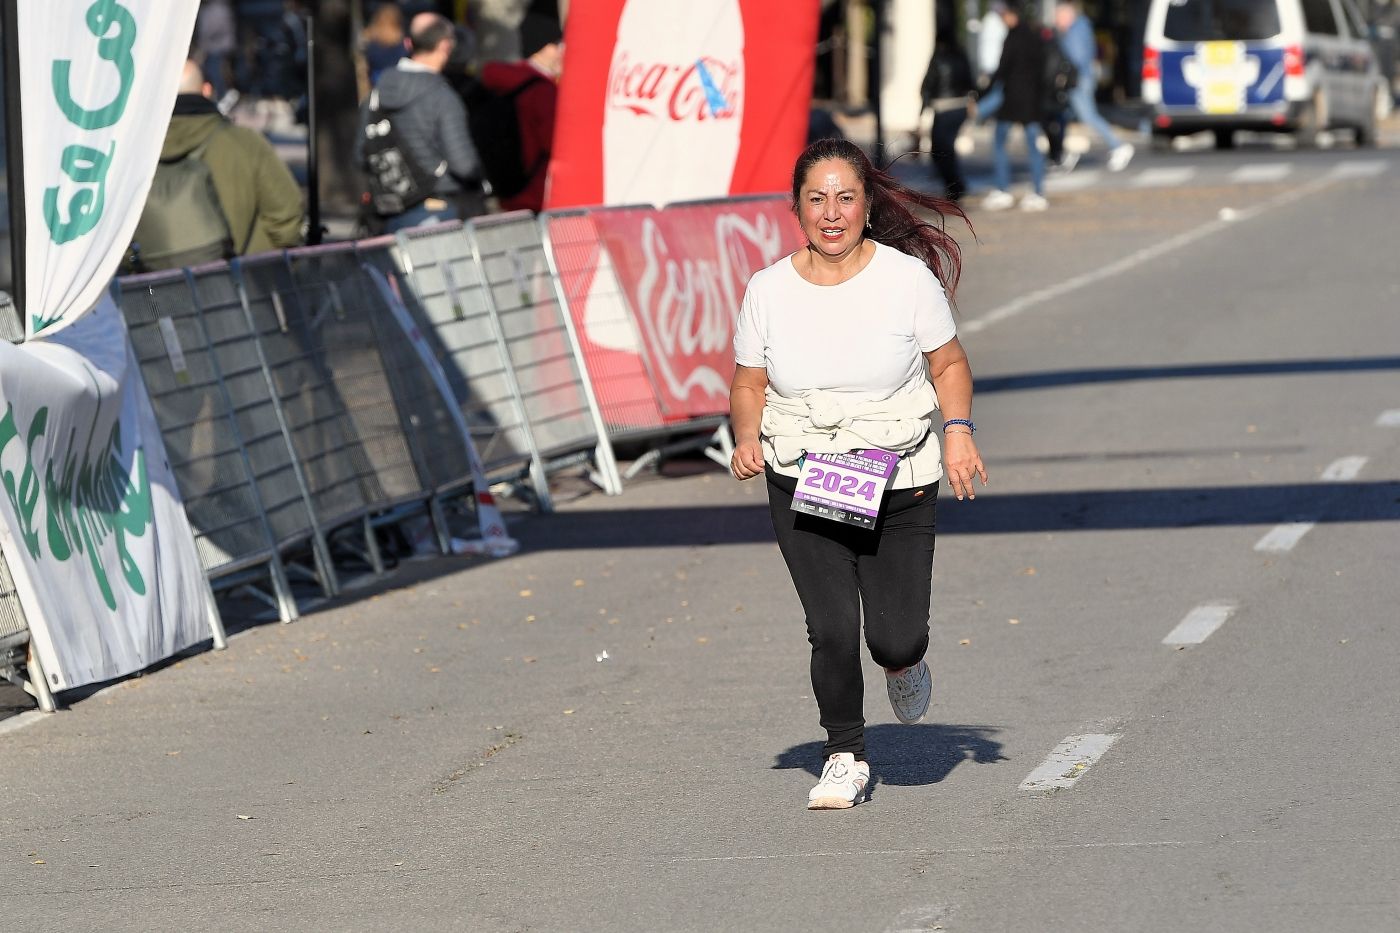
429 121
219 191
526 136
1076 36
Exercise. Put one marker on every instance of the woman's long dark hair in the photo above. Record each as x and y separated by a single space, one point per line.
892 219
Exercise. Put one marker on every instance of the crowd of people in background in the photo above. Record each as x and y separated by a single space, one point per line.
477 137
1027 75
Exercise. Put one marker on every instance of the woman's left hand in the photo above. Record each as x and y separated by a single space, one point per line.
963 462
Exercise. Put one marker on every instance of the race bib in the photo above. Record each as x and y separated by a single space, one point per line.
846 487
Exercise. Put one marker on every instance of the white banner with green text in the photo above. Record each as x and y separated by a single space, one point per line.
92 526
97 87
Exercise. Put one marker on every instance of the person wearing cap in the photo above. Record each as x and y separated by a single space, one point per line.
532 83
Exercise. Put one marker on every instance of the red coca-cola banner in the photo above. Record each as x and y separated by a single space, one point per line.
654 296
663 101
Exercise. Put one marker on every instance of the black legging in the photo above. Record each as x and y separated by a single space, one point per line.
836 568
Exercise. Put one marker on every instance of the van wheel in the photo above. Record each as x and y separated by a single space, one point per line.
1314 122
1224 139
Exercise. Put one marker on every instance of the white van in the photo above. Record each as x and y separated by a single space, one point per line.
1291 66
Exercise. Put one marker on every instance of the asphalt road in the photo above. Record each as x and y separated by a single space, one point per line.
1184 415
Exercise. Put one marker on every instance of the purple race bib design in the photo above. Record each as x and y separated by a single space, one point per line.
846 487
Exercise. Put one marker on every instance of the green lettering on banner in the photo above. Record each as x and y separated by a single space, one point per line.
24 495
87 166
85 502
101 17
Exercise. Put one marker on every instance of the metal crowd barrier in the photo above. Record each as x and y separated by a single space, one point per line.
199 424
18 662
453 308
610 345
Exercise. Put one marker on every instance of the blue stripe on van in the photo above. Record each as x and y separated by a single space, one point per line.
1267 89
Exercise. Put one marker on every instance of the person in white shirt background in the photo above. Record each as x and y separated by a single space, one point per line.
845 347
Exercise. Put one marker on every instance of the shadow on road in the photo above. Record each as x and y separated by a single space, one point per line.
907 756
1075 377
1077 510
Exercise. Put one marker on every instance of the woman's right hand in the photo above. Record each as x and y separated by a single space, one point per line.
747 461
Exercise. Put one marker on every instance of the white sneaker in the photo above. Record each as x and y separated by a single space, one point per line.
910 691
1034 202
1119 157
1067 162
998 201
842 784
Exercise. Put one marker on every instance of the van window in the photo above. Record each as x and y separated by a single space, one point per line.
1355 23
1318 17
1213 20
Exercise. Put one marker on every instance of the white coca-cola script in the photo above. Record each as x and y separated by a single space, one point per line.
688 305
704 89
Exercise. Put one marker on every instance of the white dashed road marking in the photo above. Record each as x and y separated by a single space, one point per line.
1340 471
1261 172
1162 177
1133 260
1069 761
1199 624
1389 419
1360 168
1076 182
1281 538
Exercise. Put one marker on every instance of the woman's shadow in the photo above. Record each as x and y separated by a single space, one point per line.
907 756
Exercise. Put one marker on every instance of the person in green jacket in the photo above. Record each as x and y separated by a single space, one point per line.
210 171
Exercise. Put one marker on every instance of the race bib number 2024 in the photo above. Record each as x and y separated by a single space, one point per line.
845 487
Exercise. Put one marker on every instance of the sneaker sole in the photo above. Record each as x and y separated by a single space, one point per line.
923 713
834 803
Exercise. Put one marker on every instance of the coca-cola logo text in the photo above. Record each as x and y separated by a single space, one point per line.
705 89
688 305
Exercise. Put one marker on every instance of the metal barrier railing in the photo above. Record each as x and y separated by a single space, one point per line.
605 329
451 304
206 446
539 346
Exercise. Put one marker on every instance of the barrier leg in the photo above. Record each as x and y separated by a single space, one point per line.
722 450
282 589
38 686
439 518
325 567
376 560
216 621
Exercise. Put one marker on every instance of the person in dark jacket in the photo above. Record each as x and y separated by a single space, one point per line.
535 78
431 122
946 87
1021 76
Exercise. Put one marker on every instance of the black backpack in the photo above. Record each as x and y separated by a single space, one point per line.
396 181
182 222
1060 74
495 127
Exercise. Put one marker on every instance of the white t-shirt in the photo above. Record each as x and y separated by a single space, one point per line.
866 335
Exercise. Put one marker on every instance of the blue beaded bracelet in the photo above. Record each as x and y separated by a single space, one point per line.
970 426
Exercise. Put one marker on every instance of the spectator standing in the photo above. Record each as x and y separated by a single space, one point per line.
532 85
991 36
1021 76
216 37
946 87
384 40
1076 38
431 122
259 201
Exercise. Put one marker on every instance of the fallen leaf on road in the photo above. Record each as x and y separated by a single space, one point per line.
242 816
702 640
578 583
526 593
568 712
529 660
965 641
1014 621
39 861
1029 571
529 618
